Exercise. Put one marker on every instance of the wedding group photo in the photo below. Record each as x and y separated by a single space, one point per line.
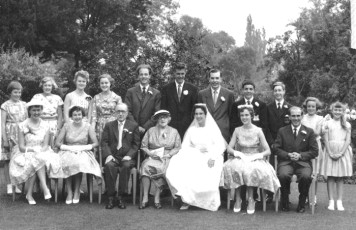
177 114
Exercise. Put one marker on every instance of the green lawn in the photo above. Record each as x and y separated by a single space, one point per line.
49 215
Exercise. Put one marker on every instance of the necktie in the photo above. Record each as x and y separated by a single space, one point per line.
295 133
143 92
279 105
179 91
215 96
248 102
120 136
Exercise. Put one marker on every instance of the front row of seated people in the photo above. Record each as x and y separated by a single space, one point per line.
193 170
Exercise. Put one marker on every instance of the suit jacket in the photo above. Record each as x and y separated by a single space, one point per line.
276 119
130 140
221 111
141 110
259 120
305 144
181 111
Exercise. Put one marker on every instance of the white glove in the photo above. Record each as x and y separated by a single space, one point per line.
36 149
66 147
109 158
126 158
258 156
87 147
239 154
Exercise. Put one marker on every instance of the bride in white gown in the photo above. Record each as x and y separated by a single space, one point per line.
194 173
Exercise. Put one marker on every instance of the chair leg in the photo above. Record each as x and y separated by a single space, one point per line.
100 187
312 196
63 187
90 186
263 192
172 201
55 190
228 199
134 184
13 193
277 199
141 193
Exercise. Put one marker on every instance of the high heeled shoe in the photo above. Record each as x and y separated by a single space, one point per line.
251 206
76 201
237 206
339 205
30 202
69 201
47 195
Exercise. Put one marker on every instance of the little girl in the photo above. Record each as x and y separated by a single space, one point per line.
337 162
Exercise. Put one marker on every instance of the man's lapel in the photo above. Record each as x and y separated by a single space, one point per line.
219 102
148 96
115 128
174 91
209 99
139 93
301 135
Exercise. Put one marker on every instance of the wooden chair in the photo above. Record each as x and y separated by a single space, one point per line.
312 188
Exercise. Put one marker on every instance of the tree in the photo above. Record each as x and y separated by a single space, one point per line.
255 39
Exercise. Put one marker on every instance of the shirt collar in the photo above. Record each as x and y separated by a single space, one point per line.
178 84
146 87
217 90
250 100
298 128
123 123
282 102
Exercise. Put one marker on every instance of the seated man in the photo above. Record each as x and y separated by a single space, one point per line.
295 146
120 142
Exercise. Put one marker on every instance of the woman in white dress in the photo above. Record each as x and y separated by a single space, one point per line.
194 172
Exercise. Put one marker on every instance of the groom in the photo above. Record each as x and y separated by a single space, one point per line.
295 146
120 142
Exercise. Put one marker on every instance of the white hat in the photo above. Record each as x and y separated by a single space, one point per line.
34 102
160 112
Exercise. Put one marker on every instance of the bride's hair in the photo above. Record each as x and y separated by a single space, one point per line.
199 106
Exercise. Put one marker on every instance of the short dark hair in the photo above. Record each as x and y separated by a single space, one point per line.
76 109
249 108
199 106
314 99
180 66
13 85
214 70
144 66
107 76
248 82
33 106
279 83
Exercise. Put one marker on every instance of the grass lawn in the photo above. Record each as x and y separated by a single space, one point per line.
49 215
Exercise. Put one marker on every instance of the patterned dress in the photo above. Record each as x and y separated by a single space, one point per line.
15 113
72 163
259 173
25 165
337 137
49 112
104 111
156 169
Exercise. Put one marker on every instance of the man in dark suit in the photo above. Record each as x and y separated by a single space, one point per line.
259 107
143 100
120 142
178 98
295 147
219 101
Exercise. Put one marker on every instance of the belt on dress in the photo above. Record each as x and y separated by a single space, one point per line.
49 118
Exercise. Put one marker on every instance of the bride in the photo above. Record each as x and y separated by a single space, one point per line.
194 173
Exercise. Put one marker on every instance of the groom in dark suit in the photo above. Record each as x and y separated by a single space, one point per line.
120 142
143 100
178 98
219 101
295 147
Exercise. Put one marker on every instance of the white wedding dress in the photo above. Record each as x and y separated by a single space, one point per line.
188 173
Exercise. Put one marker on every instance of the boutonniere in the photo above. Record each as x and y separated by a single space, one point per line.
127 131
222 98
150 92
285 106
304 132
185 92
88 98
257 104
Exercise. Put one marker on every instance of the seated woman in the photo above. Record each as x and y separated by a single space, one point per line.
76 156
161 139
247 164
194 173
32 153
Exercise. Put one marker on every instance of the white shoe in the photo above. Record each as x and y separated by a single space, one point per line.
9 189
339 205
18 190
331 205
237 206
31 202
184 206
251 206
69 201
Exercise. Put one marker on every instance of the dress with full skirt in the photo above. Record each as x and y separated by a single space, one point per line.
258 173
25 165
74 162
337 137
188 173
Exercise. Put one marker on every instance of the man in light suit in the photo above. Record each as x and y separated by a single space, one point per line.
120 142
259 107
219 101
295 147
143 100
178 98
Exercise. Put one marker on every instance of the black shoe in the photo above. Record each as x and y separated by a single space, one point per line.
143 205
158 205
300 209
285 207
121 204
110 204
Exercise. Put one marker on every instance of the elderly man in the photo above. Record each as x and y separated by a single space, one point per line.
295 146
143 100
178 98
219 101
120 142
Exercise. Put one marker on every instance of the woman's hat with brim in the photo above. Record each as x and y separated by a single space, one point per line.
34 102
160 113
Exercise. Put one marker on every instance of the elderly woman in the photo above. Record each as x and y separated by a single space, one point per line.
194 173
76 156
13 111
32 153
78 97
247 165
160 143
52 105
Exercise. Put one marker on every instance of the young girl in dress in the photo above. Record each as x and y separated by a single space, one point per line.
337 162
